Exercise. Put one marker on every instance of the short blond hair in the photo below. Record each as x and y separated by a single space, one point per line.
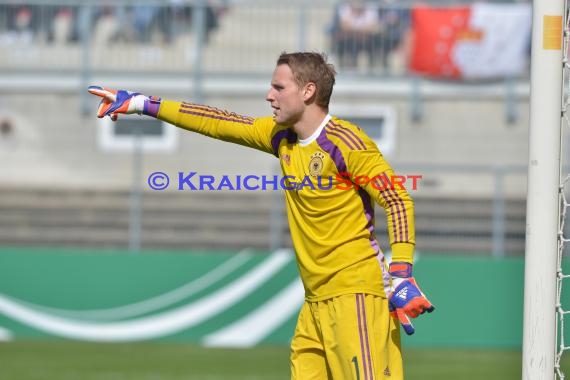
311 67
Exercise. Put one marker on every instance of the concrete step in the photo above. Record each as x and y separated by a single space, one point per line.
95 218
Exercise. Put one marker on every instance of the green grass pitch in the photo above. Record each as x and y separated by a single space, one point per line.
50 360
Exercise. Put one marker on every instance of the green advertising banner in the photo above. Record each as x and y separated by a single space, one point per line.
232 299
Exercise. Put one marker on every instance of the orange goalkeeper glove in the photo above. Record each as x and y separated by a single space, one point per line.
406 300
115 102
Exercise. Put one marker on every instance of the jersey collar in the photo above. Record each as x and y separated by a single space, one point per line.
316 133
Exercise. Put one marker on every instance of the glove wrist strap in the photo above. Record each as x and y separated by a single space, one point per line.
151 106
401 269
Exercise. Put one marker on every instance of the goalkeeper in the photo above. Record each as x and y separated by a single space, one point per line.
348 325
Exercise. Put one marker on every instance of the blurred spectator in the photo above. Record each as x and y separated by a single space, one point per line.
394 32
373 28
7 138
38 23
6 129
356 28
144 17
148 23
24 24
177 19
20 23
23 21
107 26
63 25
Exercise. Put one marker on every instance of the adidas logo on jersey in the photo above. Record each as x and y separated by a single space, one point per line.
403 293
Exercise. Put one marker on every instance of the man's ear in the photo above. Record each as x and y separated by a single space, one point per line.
309 91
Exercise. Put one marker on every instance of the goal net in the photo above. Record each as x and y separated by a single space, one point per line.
563 237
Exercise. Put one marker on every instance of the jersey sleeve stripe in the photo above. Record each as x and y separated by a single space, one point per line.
398 211
341 134
350 134
402 216
333 150
404 236
342 138
214 110
214 113
216 117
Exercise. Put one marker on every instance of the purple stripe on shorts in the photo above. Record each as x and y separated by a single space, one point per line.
370 366
362 351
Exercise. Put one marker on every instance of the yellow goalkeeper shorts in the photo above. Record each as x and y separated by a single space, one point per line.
347 337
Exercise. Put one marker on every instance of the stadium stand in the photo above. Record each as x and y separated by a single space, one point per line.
224 220
88 202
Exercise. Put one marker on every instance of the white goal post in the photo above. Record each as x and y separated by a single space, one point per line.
543 203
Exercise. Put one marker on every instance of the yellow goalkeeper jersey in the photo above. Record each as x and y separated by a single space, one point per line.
331 219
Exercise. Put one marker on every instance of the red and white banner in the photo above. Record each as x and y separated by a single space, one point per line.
480 41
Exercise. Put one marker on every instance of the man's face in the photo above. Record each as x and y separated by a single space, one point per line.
285 96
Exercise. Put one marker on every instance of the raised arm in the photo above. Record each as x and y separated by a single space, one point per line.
252 132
